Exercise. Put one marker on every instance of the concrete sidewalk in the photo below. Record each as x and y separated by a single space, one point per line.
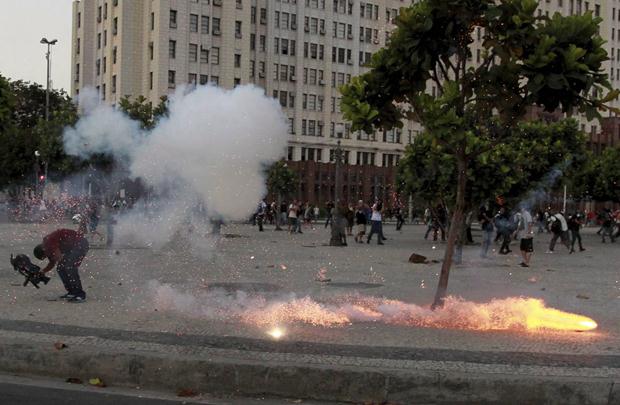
123 335
250 367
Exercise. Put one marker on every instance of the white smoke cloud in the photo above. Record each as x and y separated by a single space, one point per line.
212 147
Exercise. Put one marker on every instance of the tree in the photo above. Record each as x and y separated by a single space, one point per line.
600 178
538 156
142 110
25 131
553 62
281 180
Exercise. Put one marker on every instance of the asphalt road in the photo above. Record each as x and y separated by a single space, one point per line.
37 391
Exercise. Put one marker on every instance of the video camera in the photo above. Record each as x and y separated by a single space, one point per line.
22 264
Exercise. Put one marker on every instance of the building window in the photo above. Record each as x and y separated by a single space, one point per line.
191 79
151 50
171 79
204 79
193 52
173 18
115 26
152 21
105 38
215 80
262 43
237 82
237 29
151 80
114 84
172 49
77 48
98 66
216 26
204 55
193 22
99 41
252 42
105 64
204 24
79 20
237 60
215 56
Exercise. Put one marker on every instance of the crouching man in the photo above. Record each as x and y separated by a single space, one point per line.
65 249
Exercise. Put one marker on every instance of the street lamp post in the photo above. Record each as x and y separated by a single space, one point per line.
49 66
337 229
49 44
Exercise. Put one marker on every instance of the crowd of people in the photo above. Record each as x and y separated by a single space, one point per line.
498 224
356 217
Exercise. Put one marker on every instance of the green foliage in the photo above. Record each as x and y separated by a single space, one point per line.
600 178
281 179
24 131
511 169
528 60
142 110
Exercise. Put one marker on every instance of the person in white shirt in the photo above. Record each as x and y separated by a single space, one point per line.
525 233
375 223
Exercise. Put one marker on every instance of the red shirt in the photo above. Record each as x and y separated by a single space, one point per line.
62 239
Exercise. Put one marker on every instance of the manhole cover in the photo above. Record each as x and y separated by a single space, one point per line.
355 285
245 287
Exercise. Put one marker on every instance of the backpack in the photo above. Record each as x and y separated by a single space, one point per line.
556 225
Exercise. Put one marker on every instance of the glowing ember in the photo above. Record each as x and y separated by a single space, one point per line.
276 333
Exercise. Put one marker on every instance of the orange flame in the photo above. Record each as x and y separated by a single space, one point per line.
515 313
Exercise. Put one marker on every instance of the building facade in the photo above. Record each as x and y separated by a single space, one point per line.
299 51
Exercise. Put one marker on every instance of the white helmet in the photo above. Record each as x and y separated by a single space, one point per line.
77 218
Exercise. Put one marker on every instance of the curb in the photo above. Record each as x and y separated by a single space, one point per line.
220 373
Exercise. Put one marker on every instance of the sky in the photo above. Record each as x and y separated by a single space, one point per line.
22 25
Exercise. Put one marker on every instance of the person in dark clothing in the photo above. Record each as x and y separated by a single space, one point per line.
360 221
503 225
66 249
574 225
329 207
400 219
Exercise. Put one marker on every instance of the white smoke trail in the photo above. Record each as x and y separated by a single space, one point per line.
211 149
516 313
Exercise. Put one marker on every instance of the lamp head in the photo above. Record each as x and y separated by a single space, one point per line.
44 41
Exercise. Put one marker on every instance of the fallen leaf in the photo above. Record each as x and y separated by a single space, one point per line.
186 392
97 382
583 297
73 380
60 346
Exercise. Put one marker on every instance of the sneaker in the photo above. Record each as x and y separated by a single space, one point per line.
524 265
66 296
77 300
581 249
549 252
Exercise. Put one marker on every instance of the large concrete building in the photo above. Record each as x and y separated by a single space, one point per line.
299 51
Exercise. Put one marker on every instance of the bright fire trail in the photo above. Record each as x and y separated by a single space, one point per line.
515 313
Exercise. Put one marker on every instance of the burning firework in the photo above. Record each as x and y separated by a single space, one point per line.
525 314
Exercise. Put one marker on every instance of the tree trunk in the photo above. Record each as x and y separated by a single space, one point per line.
278 228
453 232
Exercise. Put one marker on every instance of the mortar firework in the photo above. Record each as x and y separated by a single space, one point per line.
33 274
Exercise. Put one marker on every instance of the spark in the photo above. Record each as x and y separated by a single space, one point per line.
277 333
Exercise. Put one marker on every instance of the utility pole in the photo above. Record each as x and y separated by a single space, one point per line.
338 232
47 101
